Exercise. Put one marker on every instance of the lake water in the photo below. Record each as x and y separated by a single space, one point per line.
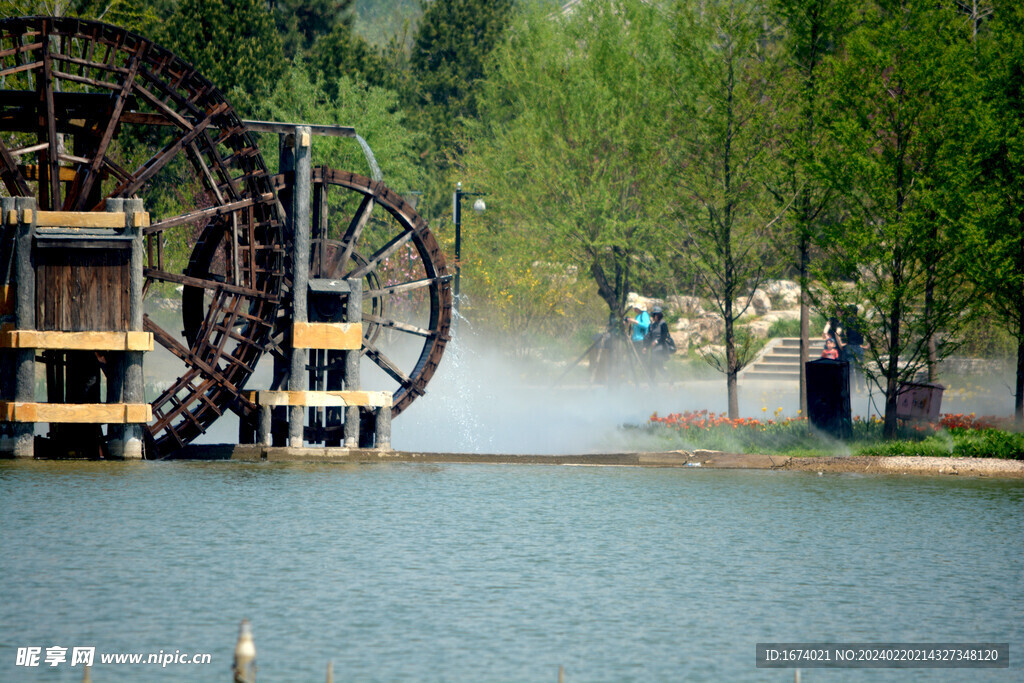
498 573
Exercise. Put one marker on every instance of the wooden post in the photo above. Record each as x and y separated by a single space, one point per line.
263 435
8 358
297 378
134 380
25 319
353 314
286 165
125 380
382 435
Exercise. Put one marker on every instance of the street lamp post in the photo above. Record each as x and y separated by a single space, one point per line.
479 206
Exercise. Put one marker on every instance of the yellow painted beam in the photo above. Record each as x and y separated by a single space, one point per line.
76 341
83 413
79 219
374 399
335 336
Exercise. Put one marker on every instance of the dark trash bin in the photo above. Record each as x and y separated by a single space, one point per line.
828 397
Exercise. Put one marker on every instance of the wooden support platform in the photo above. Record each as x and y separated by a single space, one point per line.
333 336
76 219
79 413
76 341
315 399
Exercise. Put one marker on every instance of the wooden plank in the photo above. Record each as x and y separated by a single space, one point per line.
80 219
337 336
315 399
78 413
76 341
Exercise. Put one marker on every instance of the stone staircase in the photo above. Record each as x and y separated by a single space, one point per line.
779 361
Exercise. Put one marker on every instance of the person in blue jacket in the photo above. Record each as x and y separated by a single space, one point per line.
638 324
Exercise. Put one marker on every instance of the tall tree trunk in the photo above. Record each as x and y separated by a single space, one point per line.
731 373
892 372
805 318
929 303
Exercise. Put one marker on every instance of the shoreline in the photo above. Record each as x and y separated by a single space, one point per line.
717 460
919 465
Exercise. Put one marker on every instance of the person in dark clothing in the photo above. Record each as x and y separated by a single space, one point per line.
659 342
853 346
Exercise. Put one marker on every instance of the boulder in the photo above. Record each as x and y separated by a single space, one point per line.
759 328
783 293
634 299
685 305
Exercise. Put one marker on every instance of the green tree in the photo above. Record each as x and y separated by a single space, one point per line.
813 30
446 65
233 43
1000 252
301 22
572 146
896 159
726 159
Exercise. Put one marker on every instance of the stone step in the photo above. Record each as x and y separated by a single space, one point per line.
766 365
771 376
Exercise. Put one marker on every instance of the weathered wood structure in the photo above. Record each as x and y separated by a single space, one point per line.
77 282
316 267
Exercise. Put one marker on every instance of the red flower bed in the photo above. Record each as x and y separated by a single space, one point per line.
702 419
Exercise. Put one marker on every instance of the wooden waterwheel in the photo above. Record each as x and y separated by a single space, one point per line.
90 111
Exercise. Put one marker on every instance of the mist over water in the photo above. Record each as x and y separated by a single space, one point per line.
482 401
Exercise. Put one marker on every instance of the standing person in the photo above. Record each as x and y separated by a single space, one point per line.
853 345
638 324
834 331
659 342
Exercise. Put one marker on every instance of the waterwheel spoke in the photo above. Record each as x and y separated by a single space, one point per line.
205 283
381 254
386 364
153 165
404 287
351 236
87 176
204 214
399 326
11 174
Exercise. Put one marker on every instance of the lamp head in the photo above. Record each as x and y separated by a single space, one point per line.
479 206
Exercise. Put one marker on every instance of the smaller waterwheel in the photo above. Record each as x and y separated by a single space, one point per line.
363 230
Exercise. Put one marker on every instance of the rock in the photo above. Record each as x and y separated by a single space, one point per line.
685 305
682 340
775 316
759 328
783 293
711 326
761 302
634 299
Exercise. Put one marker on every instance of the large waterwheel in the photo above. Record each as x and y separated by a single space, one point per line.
90 111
